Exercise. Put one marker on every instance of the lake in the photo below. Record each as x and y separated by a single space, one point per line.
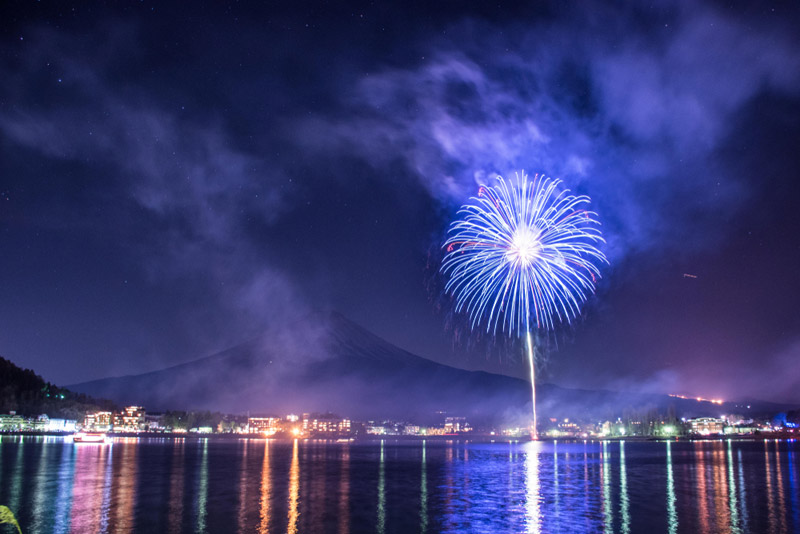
159 485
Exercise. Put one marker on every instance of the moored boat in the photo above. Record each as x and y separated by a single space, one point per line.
90 437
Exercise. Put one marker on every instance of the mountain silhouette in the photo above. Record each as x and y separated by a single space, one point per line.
329 363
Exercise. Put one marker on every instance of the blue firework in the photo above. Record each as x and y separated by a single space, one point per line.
523 254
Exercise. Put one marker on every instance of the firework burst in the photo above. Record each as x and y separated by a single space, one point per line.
523 255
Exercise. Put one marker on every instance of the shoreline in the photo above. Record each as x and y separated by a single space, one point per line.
467 438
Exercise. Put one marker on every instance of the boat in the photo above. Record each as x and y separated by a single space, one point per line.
90 437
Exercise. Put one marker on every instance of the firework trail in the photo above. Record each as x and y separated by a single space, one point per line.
522 256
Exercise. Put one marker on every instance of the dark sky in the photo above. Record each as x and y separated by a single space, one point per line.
175 179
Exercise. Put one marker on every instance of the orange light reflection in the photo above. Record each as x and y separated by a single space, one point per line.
294 490
266 489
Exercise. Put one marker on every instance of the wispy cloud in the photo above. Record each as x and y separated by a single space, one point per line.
632 114
178 183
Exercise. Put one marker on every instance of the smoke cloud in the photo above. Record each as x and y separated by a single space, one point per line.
632 114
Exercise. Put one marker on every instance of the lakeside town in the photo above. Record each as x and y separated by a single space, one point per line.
34 406
136 420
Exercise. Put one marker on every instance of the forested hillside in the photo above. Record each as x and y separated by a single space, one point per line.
25 392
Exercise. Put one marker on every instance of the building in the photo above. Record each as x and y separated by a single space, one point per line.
456 424
100 421
61 425
11 422
40 424
154 423
263 425
325 424
568 428
130 419
706 425
376 429
741 429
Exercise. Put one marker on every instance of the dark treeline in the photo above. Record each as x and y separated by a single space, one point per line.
25 392
650 421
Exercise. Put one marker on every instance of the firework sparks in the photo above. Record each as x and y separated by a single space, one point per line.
523 255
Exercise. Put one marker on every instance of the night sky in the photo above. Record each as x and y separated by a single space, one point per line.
175 180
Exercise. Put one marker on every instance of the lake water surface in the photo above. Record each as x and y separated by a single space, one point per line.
206 485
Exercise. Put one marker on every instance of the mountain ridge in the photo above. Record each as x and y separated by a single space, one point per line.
337 365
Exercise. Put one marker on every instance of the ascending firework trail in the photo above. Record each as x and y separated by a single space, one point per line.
523 255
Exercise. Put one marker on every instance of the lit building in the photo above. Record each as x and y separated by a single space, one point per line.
130 419
263 425
97 421
326 424
706 425
741 429
376 429
568 428
41 423
456 424
154 422
55 425
11 422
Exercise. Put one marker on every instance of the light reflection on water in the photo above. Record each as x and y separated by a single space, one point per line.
382 493
733 505
423 493
39 508
177 483
742 490
65 477
207 485
672 512
88 490
344 491
266 491
16 478
780 490
124 498
556 492
702 488
241 518
770 500
723 513
294 490
532 485
202 489
793 489
624 507
608 519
